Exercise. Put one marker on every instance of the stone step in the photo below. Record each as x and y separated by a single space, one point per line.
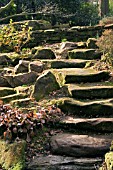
4 91
97 125
55 162
86 54
65 63
9 98
70 144
91 91
79 75
86 108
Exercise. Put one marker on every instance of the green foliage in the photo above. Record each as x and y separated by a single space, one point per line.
77 12
87 14
111 7
68 6
13 40
64 40
105 44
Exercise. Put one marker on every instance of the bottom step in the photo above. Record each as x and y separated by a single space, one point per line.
52 162
70 144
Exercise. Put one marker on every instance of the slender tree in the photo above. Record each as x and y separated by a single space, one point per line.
103 7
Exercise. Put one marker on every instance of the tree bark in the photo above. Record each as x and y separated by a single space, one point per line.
4 8
103 7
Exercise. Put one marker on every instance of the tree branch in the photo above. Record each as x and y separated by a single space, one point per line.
6 6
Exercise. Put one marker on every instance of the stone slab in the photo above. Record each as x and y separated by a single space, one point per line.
80 145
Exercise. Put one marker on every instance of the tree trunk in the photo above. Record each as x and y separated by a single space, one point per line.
103 7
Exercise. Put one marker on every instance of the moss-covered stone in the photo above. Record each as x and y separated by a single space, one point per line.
83 54
45 84
86 108
12 156
91 90
43 53
79 75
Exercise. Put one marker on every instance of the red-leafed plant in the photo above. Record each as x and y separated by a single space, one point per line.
14 123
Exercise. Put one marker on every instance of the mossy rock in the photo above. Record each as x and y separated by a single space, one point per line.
85 108
12 156
45 84
43 53
88 54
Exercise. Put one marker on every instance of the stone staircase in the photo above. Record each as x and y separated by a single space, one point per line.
88 122
88 117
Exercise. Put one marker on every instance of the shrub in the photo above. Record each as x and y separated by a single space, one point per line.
13 40
105 44
106 20
15 123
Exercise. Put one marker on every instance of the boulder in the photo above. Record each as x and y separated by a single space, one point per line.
45 84
80 145
12 155
43 53
21 79
22 67
36 66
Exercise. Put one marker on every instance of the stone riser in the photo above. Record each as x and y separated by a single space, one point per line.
86 54
86 78
96 125
55 162
88 110
104 93
58 64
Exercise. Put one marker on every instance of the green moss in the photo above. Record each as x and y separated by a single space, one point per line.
111 148
12 156
60 77
109 160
